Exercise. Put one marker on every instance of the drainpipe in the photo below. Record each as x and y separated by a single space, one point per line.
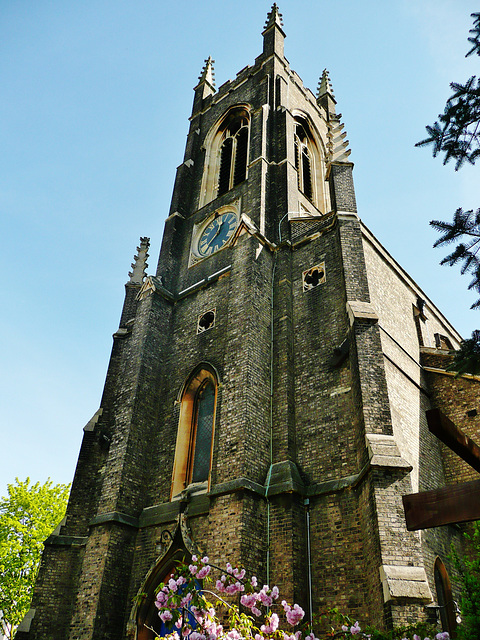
309 559
269 475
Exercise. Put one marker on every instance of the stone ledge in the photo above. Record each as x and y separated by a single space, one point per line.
383 452
361 311
406 583
66 541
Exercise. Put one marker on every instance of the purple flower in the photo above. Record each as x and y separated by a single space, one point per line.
203 573
272 625
256 612
355 629
193 569
165 616
294 614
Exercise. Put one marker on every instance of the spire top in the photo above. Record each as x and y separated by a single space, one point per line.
324 85
208 74
139 263
274 17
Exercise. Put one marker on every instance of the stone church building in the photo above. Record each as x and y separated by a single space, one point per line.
265 398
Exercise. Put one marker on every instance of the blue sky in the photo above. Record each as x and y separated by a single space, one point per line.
94 105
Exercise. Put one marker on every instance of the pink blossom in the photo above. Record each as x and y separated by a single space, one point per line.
203 573
194 558
264 598
272 625
256 612
165 616
220 586
161 600
229 568
344 627
355 629
275 593
294 614
179 623
249 600
443 635
186 600
172 585
181 580
193 569
204 560
233 635
254 581
196 636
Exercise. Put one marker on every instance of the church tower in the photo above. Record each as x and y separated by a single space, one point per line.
264 401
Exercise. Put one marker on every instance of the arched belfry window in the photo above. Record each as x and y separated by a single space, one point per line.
304 158
193 452
226 159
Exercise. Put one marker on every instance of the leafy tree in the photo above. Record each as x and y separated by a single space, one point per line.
469 570
28 515
456 134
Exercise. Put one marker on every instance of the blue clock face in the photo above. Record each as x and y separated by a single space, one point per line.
216 234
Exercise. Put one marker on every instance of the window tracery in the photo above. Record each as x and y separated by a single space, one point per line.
303 159
226 160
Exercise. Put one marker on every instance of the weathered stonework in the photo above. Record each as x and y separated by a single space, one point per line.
321 391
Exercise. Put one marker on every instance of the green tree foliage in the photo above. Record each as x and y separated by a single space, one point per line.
28 515
456 134
466 224
469 570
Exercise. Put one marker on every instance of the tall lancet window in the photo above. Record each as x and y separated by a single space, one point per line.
193 453
303 159
201 448
233 153
226 154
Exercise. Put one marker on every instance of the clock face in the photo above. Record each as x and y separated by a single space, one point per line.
216 234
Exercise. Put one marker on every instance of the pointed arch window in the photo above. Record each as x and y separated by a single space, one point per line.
226 159
193 453
233 154
303 159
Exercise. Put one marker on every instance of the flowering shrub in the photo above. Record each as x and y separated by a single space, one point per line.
189 614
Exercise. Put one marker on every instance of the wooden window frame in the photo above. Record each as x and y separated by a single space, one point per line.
187 428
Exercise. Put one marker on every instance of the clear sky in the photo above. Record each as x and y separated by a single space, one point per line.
94 104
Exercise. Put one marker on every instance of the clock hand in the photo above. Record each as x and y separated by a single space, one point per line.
217 233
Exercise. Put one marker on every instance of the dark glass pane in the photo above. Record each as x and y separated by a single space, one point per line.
203 440
225 166
307 174
241 156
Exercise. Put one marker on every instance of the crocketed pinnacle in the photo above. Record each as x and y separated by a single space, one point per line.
324 85
139 264
208 74
274 17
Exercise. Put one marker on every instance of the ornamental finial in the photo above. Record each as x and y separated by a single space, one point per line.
139 263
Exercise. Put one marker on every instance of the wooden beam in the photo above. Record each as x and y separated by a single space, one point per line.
454 438
449 505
